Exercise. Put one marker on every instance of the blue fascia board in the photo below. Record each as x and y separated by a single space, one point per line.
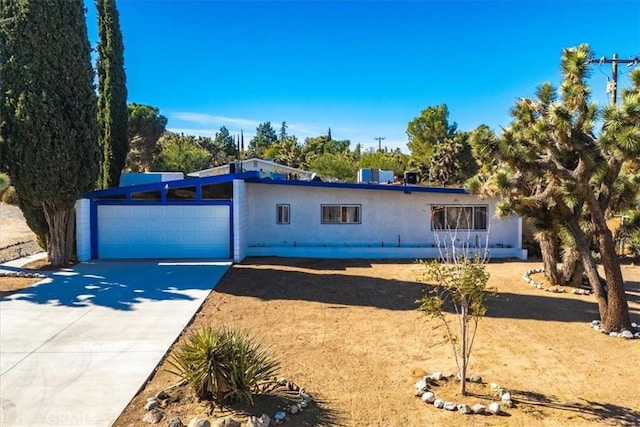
362 186
157 186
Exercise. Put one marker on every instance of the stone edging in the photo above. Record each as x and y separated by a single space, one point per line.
595 324
24 274
423 391
627 334
555 289
155 409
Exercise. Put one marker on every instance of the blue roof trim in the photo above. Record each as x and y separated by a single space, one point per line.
156 186
254 177
362 186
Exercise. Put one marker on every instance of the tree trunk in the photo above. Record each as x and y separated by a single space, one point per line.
464 327
548 240
57 218
617 306
70 240
617 317
572 268
589 264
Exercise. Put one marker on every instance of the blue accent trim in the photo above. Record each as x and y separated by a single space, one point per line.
93 224
407 189
159 186
254 177
231 234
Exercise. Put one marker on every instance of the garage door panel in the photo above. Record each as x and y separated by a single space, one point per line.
163 231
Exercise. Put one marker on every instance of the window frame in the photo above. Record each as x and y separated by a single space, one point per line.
279 209
342 215
470 218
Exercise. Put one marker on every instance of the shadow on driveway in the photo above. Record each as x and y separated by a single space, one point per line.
121 284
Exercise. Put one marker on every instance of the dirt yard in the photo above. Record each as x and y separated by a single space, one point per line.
348 332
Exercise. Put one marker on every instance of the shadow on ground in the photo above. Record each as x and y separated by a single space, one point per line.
588 410
317 412
271 282
120 285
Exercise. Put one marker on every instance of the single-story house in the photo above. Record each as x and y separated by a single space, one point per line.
243 214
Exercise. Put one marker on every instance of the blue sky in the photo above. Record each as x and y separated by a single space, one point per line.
362 68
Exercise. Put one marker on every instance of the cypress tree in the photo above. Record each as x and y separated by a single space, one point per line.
48 103
112 95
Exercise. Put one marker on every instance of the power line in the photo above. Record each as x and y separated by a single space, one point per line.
614 61
379 139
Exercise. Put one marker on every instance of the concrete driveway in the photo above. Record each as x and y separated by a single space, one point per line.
76 348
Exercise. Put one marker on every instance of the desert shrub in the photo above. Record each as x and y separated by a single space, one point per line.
223 364
634 244
10 196
5 182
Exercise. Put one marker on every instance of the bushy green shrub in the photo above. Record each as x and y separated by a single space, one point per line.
223 364
5 182
10 196
634 244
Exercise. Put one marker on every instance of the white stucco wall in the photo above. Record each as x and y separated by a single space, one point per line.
389 218
240 220
83 229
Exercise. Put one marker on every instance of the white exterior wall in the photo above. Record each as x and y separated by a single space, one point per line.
83 229
390 219
240 220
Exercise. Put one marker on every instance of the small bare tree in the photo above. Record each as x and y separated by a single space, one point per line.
461 283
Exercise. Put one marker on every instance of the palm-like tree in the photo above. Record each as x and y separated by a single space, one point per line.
553 164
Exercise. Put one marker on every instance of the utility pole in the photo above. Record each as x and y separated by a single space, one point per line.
379 139
614 61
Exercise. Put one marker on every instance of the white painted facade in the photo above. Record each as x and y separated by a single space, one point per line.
83 229
240 220
394 224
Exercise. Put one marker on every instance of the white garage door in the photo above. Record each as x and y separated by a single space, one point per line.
163 232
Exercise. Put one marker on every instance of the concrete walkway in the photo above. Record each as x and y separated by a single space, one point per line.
77 347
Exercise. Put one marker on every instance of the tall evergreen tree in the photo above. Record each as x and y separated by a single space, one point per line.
146 126
48 102
112 95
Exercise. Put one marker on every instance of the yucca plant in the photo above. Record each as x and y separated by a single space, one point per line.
223 364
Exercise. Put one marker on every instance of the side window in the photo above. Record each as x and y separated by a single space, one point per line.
341 214
282 214
458 217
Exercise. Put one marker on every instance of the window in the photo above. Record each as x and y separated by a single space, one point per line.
459 217
183 193
282 214
147 196
222 191
341 214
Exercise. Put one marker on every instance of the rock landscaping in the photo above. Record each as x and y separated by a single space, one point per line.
155 407
555 289
595 324
634 333
425 390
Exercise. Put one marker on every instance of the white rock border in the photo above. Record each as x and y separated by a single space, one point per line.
427 395
555 289
634 333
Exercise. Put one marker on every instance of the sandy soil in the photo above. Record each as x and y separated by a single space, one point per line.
13 228
348 332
